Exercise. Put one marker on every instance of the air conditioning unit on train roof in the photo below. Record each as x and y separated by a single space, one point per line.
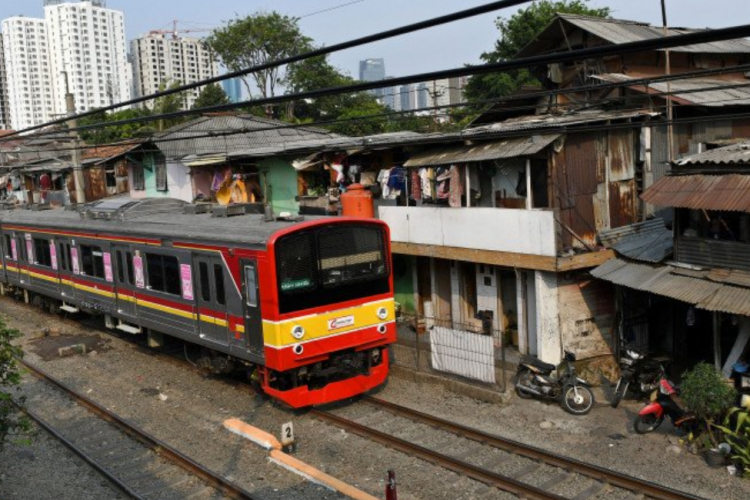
129 208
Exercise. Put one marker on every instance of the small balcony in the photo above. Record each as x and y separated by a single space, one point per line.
502 236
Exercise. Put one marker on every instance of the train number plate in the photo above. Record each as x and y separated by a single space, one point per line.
339 323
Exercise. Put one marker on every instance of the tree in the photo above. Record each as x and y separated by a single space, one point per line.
257 39
211 95
515 34
169 104
10 378
113 133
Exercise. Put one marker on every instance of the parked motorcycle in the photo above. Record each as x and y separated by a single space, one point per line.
638 373
664 402
535 378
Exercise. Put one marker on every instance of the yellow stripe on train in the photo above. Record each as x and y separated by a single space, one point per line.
280 334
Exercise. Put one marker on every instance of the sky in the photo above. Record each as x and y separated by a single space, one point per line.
435 49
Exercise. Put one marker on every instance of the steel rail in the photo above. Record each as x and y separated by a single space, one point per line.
490 478
638 486
159 447
124 488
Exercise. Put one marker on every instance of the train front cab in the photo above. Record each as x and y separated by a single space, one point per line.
328 313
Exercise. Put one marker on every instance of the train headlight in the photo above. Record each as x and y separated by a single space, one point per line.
298 332
382 313
382 329
298 349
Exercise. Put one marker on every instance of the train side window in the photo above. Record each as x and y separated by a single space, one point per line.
22 250
120 267
61 253
129 260
251 286
42 252
68 258
163 273
92 260
205 282
7 247
221 296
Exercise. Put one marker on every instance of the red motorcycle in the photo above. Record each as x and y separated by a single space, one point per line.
663 402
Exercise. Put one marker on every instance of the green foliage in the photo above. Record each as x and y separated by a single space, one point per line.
515 34
10 377
211 95
736 431
113 133
168 104
706 393
257 39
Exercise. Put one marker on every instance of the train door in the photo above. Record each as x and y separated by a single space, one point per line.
251 307
22 262
211 295
125 280
65 266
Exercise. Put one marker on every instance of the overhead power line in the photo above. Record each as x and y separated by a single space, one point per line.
731 33
329 9
383 35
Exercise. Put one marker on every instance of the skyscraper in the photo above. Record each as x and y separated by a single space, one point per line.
87 43
159 61
78 46
233 89
372 70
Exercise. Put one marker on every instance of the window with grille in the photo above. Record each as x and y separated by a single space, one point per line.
139 181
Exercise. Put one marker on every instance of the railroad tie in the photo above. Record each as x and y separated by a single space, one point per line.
141 469
529 469
198 492
158 488
591 491
495 461
109 461
558 479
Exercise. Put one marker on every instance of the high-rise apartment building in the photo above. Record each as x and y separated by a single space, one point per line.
233 89
87 43
160 60
373 70
78 46
26 54
4 110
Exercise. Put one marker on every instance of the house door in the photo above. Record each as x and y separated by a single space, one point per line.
212 298
251 307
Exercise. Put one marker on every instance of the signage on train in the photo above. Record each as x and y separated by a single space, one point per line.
290 285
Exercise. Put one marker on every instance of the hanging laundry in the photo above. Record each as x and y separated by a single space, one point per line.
397 179
426 183
416 185
353 173
383 177
218 179
456 186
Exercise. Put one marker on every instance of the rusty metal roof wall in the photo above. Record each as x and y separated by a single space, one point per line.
728 299
620 31
494 150
533 122
254 133
729 192
735 154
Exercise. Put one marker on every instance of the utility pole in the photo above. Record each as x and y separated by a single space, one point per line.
670 114
70 107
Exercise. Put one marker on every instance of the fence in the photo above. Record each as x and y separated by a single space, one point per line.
470 351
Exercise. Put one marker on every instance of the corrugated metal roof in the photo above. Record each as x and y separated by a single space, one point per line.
507 148
735 154
648 241
697 91
252 131
619 31
671 282
534 122
729 192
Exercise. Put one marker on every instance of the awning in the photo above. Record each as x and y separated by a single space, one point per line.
708 192
204 161
495 150
307 163
672 282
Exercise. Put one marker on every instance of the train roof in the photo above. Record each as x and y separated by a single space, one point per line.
155 218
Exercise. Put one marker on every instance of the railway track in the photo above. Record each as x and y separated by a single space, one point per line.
514 467
134 462
525 471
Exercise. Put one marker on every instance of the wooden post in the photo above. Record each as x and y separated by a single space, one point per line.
717 339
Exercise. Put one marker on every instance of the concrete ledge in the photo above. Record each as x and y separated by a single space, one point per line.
463 388
261 438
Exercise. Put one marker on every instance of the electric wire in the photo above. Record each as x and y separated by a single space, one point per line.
341 6
731 33
383 35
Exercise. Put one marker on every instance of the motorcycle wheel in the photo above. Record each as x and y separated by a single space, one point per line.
580 405
620 391
643 424
523 377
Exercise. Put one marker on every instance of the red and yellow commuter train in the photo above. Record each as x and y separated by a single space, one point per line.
305 305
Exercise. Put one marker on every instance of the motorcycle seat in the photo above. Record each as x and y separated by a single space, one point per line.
537 363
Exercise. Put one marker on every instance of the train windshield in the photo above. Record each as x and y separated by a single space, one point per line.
332 264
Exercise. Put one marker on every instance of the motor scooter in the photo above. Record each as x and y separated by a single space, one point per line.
664 403
639 373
